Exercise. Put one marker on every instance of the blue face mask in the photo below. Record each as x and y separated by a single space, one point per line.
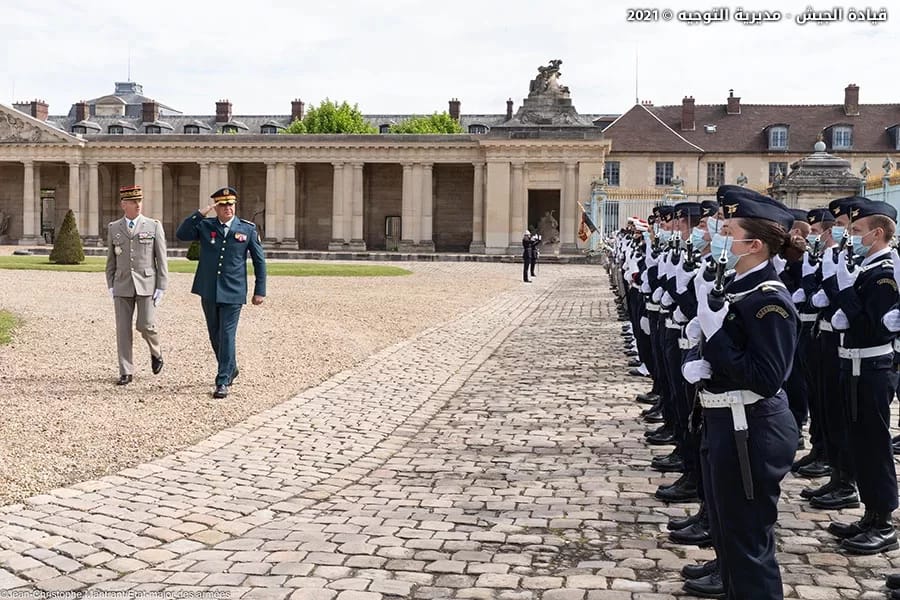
837 232
664 235
811 239
720 243
860 249
713 224
697 239
646 235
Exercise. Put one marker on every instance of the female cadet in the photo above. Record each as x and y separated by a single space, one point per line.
749 435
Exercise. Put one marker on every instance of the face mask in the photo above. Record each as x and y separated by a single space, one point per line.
713 224
811 239
646 235
860 249
697 239
720 243
664 235
837 232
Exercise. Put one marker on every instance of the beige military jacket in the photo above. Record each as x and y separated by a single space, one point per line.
136 258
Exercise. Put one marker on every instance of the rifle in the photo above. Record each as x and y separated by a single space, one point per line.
717 294
676 247
814 255
689 259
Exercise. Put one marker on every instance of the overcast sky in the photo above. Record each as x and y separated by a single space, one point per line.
411 56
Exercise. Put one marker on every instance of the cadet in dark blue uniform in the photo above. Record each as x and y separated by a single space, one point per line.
749 436
221 277
868 379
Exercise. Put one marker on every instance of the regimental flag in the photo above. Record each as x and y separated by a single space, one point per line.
587 226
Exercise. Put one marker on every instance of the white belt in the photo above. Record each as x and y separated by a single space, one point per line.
672 324
856 355
808 317
825 325
652 306
686 344
736 400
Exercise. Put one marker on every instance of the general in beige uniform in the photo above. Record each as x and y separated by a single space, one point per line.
137 275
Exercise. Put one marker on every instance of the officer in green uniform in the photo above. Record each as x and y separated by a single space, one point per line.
221 277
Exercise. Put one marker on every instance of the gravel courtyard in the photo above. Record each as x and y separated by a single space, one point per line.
65 421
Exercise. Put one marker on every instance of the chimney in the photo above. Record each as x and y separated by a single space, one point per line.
223 111
454 109
646 102
82 112
851 100
297 110
734 104
509 111
150 111
687 114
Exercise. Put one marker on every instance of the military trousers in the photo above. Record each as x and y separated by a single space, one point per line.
146 325
222 322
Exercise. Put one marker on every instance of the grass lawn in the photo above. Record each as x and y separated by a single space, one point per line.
97 264
8 322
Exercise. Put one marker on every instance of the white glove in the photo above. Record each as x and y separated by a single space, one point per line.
820 299
808 269
657 295
779 263
840 321
693 332
710 322
829 267
157 297
845 278
683 278
645 287
679 316
112 293
799 297
667 300
896 261
701 285
645 325
695 370
892 320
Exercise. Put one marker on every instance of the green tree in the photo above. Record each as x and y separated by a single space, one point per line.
435 123
67 248
330 117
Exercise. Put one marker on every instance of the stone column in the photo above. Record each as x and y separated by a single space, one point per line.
477 245
203 198
288 212
357 243
28 205
407 214
517 218
155 210
75 192
496 207
568 210
139 174
337 209
426 202
37 203
270 224
93 207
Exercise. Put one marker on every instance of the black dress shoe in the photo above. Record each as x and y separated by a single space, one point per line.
671 463
893 581
805 460
221 391
817 468
649 397
635 372
632 353
156 364
708 586
695 535
843 531
234 375
634 362
654 417
661 440
685 491
698 571
124 380
844 496
809 493
675 524
878 538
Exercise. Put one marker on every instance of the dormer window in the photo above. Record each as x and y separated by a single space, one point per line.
79 129
116 129
268 129
478 129
778 138
152 129
384 128
229 129
842 137
192 129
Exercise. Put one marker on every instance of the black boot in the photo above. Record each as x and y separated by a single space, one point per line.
661 430
809 458
817 468
654 416
698 571
842 496
675 524
648 398
848 530
663 439
811 492
683 490
880 537
670 463
695 535
709 586
893 581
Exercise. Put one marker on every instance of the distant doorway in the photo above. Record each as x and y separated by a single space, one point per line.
541 202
